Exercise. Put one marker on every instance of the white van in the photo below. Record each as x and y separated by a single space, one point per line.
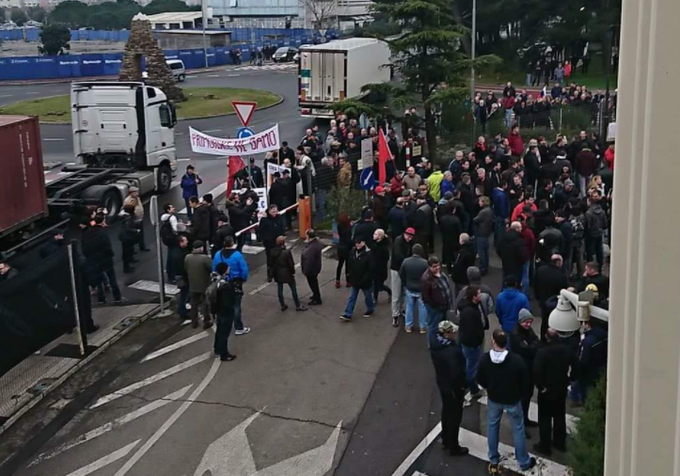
177 68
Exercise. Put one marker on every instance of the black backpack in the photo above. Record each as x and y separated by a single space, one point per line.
168 235
578 227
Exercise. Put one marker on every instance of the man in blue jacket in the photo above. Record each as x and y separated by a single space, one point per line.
508 304
189 184
238 274
501 211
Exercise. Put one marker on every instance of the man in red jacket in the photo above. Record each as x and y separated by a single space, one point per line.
586 165
515 141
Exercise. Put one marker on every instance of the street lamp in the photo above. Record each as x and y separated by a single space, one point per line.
204 9
473 44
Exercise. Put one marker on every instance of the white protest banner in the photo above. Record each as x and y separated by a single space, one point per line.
263 142
262 199
366 154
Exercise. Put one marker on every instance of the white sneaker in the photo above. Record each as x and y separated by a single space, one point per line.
243 331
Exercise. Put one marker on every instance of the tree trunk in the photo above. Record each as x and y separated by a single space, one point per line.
459 21
430 134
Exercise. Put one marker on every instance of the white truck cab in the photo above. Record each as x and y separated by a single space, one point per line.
125 125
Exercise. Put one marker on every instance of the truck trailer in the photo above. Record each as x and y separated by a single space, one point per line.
123 134
336 71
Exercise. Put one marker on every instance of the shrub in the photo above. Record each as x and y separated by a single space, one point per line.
586 452
341 199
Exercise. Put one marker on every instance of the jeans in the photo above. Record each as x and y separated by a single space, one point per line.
516 415
110 272
414 300
483 251
595 246
293 291
238 322
577 257
354 294
472 356
434 317
225 321
182 302
525 279
508 118
320 199
528 80
583 182
499 227
313 282
397 293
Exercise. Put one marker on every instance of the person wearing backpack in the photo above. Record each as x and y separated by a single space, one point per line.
238 274
198 267
222 304
170 227
578 227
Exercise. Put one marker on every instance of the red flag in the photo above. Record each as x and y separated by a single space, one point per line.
384 154
234 164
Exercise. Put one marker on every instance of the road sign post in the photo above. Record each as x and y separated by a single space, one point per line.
244 111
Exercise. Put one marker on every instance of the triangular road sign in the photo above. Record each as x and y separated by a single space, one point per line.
244 110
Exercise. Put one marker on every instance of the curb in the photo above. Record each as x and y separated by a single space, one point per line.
38 398
281 99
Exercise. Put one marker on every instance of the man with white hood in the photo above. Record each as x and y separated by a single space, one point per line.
504 375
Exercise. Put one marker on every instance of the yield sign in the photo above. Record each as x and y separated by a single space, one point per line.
244 110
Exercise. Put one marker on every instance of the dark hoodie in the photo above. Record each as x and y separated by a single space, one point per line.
466 258
282 269
201 223
473 323
596 221
504 375
449 365
512 251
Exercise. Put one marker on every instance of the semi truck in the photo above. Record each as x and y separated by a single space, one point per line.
333 72
123 135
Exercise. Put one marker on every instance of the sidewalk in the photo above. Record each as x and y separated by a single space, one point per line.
31 380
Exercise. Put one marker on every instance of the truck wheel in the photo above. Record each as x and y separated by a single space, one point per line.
111 202
181 78
164 178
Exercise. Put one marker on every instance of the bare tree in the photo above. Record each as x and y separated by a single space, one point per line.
323 12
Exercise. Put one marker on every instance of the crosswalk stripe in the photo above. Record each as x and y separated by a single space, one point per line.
216 192
150 380
478 446
533 415
175 346
105 461
105 428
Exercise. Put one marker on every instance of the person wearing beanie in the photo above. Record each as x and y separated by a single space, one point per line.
525 343
449 367
475 277
504 376
509 303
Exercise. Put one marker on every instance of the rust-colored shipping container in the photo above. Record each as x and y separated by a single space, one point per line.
23 196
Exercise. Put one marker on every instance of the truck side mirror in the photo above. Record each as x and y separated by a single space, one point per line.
173 114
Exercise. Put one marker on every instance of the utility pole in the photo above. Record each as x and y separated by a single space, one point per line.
473 44
204 13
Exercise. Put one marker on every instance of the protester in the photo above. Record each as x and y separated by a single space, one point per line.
504 376
473 323
512 251
224 310
484 227
553 365
592 356
359 275
410 273
509 303
271 227
190 182
201 221
7 272
238 274
401 249
345 245
466 257
525 343
171 226
198 267
311 266
178 256
282 271
380 256
437 293
475 278
550 279
449 366
128 236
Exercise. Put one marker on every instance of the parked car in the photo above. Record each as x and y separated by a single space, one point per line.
284 54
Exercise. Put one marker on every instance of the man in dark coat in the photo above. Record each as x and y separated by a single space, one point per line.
396 219
200 221
473 323
271 227
451 229
282 271
549 280
359 265
525 343
99 254
178 254
512 251
380 255
465 258
449 367
552 367
311 266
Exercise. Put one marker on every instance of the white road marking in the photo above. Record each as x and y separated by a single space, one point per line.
326 248
6 95
154 287
105 428
175 416
258 289
233 75
53 139
216 192
213 76
106 460
175 346
418 473
418 450
192 77
150 380
478 448
252 250
533 415
33 92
